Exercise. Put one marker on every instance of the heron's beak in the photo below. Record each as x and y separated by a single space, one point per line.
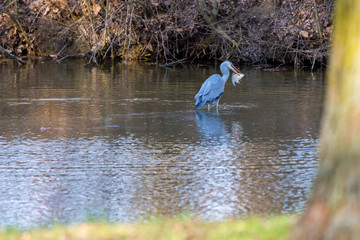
235 70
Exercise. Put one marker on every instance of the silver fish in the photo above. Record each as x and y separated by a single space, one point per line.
236 78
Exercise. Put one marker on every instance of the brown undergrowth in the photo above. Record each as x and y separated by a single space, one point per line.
248 31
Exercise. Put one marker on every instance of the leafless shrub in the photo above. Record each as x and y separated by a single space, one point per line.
252 31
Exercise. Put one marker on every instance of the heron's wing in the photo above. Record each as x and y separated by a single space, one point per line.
211 90
210 85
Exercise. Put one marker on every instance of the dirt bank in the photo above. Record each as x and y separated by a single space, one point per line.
247 31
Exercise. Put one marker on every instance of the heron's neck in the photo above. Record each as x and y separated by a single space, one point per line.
225 75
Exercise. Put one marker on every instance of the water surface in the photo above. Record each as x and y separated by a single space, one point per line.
124 142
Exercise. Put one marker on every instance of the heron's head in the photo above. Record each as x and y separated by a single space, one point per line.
231 67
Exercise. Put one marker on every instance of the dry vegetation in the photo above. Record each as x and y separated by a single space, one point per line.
249 31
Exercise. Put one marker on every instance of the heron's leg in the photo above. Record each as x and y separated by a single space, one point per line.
208 107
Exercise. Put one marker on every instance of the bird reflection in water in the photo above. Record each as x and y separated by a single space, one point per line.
213 129
211 126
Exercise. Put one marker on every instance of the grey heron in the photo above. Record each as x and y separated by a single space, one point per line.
213 88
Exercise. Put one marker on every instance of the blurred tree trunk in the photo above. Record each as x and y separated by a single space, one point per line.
334 208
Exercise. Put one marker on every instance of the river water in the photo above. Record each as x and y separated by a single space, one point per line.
124 142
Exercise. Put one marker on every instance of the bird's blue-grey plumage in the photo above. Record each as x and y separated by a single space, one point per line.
213 88
211 91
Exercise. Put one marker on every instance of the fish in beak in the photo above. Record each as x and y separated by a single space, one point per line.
236 77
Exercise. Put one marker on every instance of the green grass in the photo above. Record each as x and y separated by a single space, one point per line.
277 227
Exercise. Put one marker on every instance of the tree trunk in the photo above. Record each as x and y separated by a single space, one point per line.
334 207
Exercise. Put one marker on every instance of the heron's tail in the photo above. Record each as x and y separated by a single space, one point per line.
200 103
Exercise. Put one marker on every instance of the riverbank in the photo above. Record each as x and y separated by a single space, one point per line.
276 227
253 32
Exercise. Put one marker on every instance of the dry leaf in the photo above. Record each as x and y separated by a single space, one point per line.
46 11
304 34
96 9
35 4
149 47
154 3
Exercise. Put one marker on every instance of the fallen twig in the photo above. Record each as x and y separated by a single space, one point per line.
174 62
316 13
11 55
61 50
71 56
